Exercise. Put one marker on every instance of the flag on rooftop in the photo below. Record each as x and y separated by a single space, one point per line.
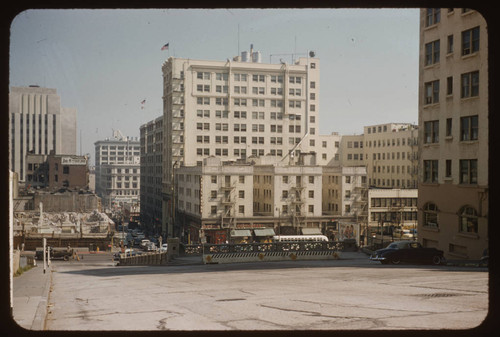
165 47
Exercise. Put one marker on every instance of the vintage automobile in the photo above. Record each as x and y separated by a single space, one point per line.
408 251
55 253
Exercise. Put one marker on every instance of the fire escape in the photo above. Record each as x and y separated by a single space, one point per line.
297 203
228 202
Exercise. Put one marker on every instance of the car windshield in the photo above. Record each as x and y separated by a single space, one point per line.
393 245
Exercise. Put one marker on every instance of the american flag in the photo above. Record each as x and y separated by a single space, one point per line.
165 47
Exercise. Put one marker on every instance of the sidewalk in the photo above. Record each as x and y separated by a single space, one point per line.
30 292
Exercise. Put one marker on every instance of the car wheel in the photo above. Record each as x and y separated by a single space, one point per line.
436 260
395 261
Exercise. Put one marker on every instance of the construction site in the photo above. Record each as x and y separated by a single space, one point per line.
40 215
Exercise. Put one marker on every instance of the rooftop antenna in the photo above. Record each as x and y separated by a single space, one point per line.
238 39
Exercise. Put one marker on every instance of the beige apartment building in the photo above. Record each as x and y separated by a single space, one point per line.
237 108
388 151
225 201
453 129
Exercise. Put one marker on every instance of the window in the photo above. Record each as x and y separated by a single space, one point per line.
468 220
449 85
65 169
431 132
468 171
448 168
433 16
449 49
470 41
470 84
213 210
430 215
448 127
430 171
469 128
432 92
241 209
432 52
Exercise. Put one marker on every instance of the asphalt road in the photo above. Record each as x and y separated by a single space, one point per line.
352 293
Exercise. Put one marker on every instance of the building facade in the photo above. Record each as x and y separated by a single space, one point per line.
39 125
225 201
389 152
151 139
117 170
453 128
235 109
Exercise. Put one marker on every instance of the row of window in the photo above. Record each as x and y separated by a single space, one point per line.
223 89
469 129
467 170
255 102
238 77
255 115
470 45
433 15
469 87
393 202
393 183
467 218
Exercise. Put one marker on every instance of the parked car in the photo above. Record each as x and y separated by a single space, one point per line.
408 251
55 253
164 247
150 246
402 233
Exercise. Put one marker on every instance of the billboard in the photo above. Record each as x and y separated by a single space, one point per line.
348 231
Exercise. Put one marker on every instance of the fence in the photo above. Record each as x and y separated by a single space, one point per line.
276 251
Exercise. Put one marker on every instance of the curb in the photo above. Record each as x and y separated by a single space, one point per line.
41 311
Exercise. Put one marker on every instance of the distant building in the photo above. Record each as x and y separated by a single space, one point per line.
389 152
453 189
151 139
56 171
259 197
117 170
39 125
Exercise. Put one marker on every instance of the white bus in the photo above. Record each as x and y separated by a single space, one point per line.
299 238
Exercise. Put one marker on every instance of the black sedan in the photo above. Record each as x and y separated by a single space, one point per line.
408 251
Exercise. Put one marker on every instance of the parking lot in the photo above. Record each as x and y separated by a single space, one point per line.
351 293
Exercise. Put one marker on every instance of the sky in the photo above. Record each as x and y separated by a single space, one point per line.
105 62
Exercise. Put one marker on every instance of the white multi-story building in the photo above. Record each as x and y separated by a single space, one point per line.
218 201
39 125
453 125
117 170
237 108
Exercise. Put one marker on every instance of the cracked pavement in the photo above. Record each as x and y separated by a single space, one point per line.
348 294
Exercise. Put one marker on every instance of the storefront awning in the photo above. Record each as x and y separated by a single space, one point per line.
264 232
240 233
311 231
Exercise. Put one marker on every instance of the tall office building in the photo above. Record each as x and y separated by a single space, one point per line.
237 108
453 128
151 138
117 170
39 125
